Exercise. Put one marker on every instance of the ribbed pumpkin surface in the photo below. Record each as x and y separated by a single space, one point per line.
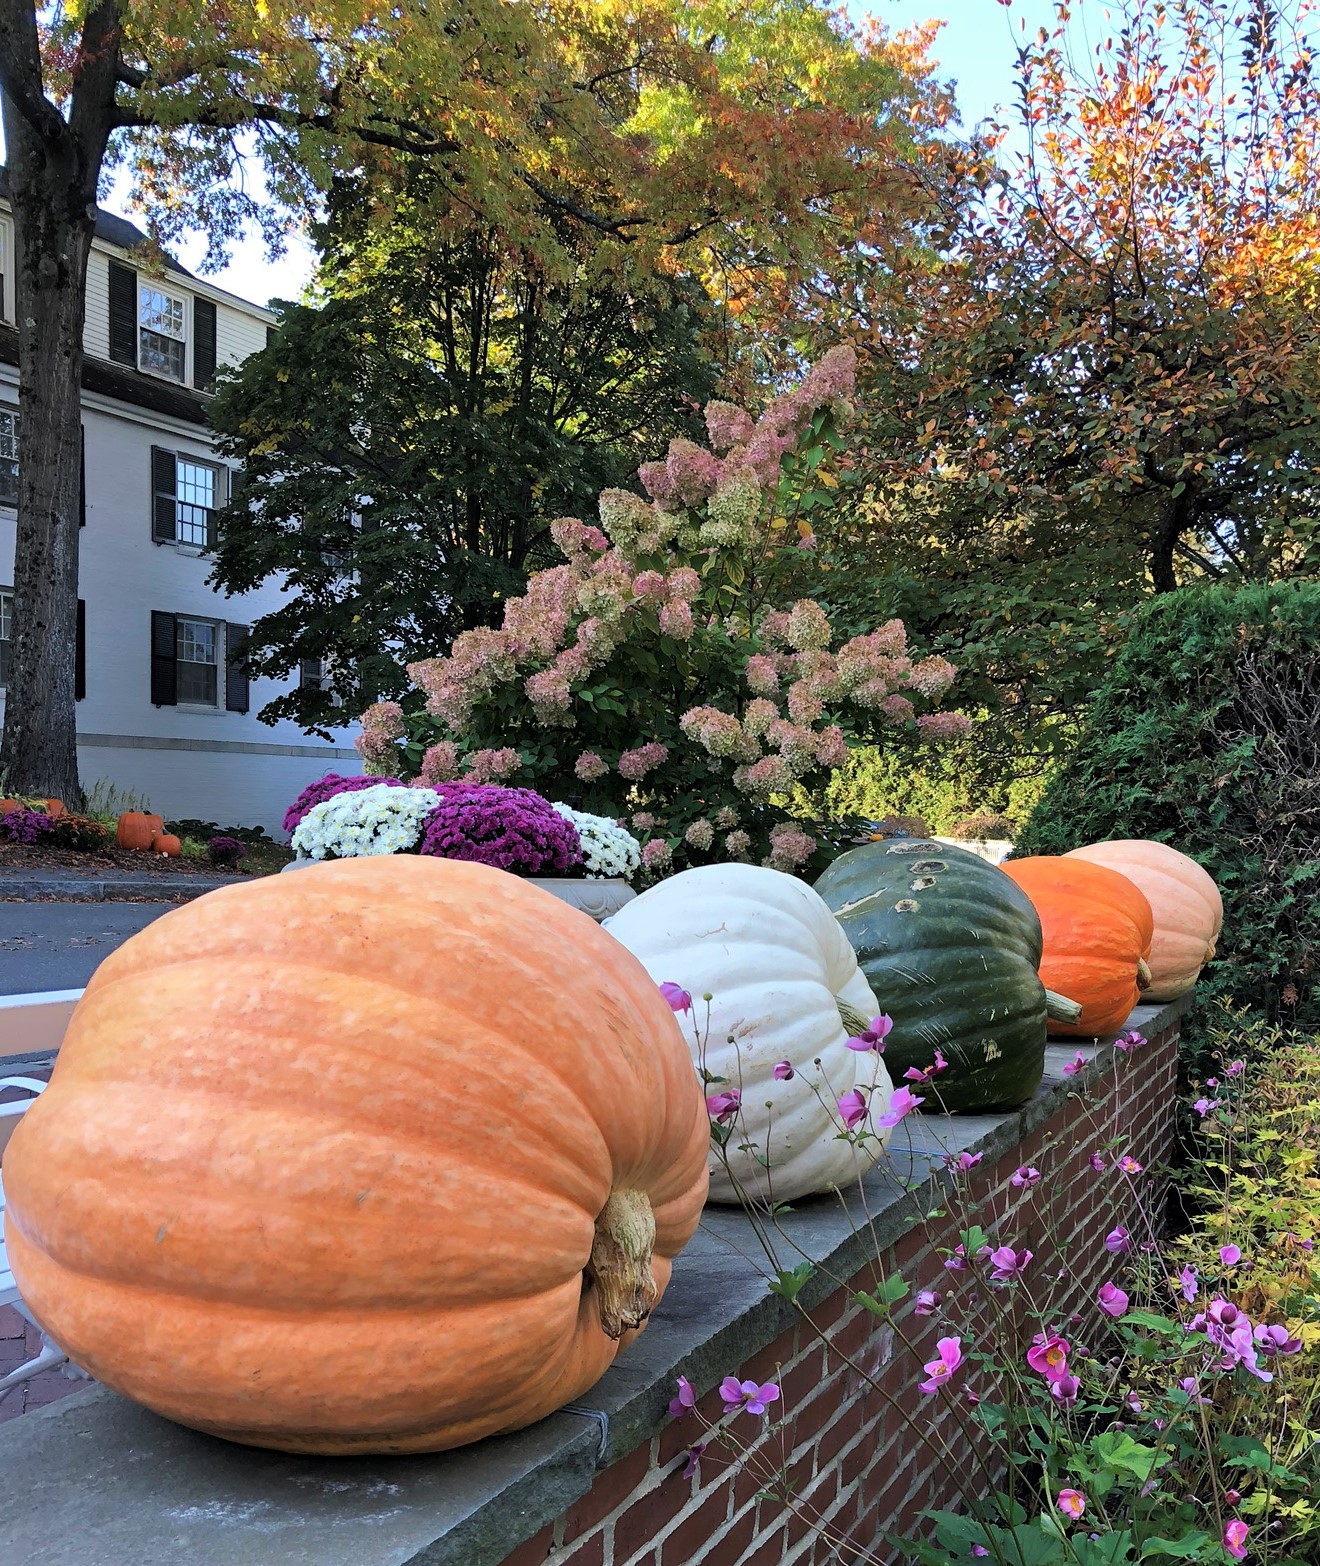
1098 928
949 946
1188 910
321 1160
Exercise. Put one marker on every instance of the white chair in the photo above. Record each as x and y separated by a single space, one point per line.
50 1356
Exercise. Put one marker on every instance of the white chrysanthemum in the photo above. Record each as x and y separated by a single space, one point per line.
608 850
377 820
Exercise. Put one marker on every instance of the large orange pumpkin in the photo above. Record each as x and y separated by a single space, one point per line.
1098 928
386 1156
1188 910
137 829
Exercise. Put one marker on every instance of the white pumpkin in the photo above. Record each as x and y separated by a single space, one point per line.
784 985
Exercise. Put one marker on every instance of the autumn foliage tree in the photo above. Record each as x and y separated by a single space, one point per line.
751 141
1121 323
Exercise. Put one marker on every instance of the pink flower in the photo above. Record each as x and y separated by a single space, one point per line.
1127 1042
1275 1340
635 764
692 1458
938 726
938 1371
723 1107
676 995
676 620
1188 1284
928 1302
1097 1163
657 855
1064 1390
1117 1241
749 1397
1048 1356
1129 1165
1076 1064
1023 1176
917 1074
589 766
784 1072
1205 1106
1072 1503
902 1103
1192 1388
727 425
873 1036
852 1106
685 1401
1112 1300
1230 1255
1236 1068
962 1162
1008 1264
1235 1539
440 764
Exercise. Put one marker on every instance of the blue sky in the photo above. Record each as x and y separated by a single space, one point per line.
976 48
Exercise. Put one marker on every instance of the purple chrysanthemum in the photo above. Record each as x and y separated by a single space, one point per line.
25 826
511 828
326 788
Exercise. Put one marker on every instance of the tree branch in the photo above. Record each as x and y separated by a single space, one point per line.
20 70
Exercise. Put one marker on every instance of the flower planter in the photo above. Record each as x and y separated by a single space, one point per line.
599 898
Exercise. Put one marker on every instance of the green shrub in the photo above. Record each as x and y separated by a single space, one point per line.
1205 736
963 778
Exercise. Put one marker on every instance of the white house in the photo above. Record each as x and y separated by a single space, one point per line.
164 708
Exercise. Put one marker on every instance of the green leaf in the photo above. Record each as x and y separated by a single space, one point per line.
1116 1449
788 1285
1190 1547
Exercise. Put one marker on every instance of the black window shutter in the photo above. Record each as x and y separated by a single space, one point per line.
82 479
164 512
164 660
123 314
203 343
236 675
80 654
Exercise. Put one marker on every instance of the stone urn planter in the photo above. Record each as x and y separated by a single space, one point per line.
600 898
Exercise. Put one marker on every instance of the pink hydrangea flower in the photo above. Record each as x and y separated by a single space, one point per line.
657 855
727 425
676 620
440 764
492 766
635 764
589 766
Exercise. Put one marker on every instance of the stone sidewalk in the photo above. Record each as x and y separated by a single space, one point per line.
75 886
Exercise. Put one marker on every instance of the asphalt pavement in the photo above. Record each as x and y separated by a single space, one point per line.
57 946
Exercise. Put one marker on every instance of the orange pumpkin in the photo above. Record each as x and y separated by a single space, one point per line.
1098 928
6 805
166 843
386 1156
137 829
1188 910
54 808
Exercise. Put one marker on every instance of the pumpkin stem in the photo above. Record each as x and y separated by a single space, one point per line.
1145 978
1058 1008
853 1021
620 1265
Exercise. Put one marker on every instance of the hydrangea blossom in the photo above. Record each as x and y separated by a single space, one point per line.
382 819
608 850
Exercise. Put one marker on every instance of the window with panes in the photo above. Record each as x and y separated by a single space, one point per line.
162 331
197 648
8 456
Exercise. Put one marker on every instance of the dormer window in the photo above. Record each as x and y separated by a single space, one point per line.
162 331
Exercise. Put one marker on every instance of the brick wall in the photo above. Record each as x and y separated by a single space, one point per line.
848 1443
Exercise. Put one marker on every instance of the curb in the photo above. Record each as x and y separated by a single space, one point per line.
84 890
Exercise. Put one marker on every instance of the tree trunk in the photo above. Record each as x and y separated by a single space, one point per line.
1176 521
54 218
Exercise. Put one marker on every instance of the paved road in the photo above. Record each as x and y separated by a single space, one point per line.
56 946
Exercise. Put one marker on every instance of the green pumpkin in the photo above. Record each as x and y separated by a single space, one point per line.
950 945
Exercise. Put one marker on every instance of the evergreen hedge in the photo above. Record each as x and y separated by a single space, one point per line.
1206 735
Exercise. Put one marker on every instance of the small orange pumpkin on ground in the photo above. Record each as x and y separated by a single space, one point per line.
1098 928
166 843
386 1160
1188 910
6 805
54 808
136 829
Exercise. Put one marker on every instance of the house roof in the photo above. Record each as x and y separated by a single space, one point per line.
113 229
123 383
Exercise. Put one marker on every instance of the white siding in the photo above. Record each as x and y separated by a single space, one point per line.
96 329
237 335
123 576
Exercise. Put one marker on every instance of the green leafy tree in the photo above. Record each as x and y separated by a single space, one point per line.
742 140
463 399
